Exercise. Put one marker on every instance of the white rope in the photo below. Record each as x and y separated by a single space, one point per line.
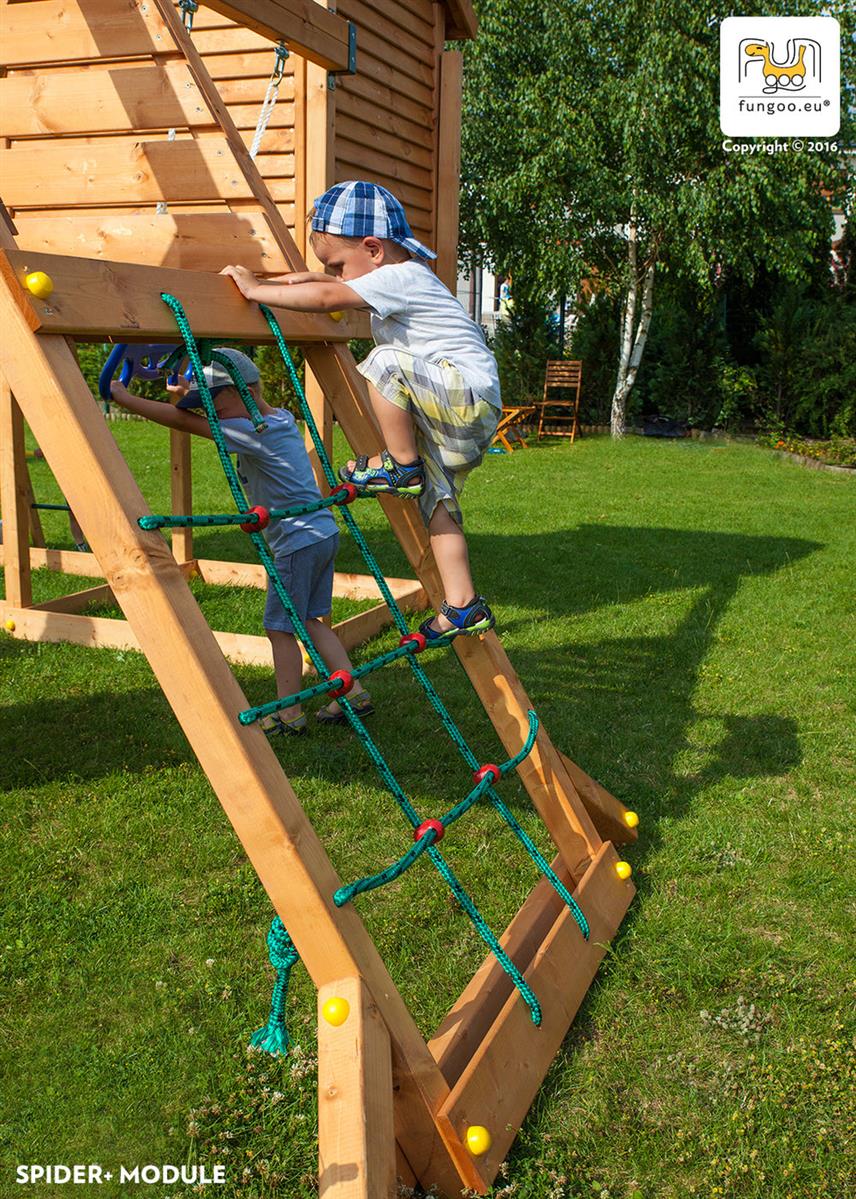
269 102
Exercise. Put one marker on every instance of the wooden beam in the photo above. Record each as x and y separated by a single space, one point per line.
76 601
14 283
307 28
73 30
358 629
120 301
345 586
607 812
14 501
70 562
242 649
37 533
462 23
469 1019
543 772
60 621
409 592
356 1130
502 1078
45 624
319 140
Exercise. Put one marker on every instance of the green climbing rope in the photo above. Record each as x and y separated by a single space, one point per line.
299 697
430 835
230 518
439 707
481 926
273 1036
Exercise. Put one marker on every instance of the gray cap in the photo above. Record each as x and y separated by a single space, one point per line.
216 376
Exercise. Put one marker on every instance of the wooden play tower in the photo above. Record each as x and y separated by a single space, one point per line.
126 173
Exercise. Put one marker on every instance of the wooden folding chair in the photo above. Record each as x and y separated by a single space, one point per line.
565 376
509 423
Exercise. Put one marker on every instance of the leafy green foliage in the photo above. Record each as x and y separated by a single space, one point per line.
522 343
580 113
595 343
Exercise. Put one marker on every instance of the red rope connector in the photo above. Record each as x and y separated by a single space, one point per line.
345 680
349 490
419 833
417 639
485 771
254 526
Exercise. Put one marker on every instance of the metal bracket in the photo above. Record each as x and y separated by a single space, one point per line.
352 52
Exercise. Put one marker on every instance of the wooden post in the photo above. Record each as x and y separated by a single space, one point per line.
14 501
182 492
448 171
37 533
319 166
356 1132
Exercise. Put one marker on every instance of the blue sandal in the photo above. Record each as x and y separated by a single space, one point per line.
474 617
390 478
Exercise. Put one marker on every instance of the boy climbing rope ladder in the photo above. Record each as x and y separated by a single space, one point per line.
274 467
433 382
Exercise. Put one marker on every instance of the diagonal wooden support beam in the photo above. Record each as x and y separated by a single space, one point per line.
241 766
510 1060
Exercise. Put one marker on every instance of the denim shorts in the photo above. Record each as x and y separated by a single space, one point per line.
307 576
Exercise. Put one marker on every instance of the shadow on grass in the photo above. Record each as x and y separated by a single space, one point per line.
622 707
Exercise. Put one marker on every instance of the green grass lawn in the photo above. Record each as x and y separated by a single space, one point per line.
681 616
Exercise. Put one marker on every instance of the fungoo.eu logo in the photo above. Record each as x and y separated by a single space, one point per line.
780 76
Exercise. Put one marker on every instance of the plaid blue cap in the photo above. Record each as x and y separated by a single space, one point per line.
359 209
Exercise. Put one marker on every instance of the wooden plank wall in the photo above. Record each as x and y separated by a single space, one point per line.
108 150
73 108
386 114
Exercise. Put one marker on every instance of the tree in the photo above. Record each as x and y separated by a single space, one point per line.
592 149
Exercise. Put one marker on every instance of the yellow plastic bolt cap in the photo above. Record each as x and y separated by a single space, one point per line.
478 1140
631 819
623 870
336 1011
336 316
10 625
39 284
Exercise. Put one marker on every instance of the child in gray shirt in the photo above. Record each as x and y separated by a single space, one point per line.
275 470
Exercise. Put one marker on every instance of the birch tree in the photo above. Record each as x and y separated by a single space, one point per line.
592 149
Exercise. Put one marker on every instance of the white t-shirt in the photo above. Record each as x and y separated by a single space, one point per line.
412 310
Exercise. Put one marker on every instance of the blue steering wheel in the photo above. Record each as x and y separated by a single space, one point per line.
137 362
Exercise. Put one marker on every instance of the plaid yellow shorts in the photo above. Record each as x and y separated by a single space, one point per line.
454 426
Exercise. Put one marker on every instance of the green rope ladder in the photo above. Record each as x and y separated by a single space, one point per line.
426 833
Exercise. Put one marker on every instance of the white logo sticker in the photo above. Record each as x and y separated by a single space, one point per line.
779 76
